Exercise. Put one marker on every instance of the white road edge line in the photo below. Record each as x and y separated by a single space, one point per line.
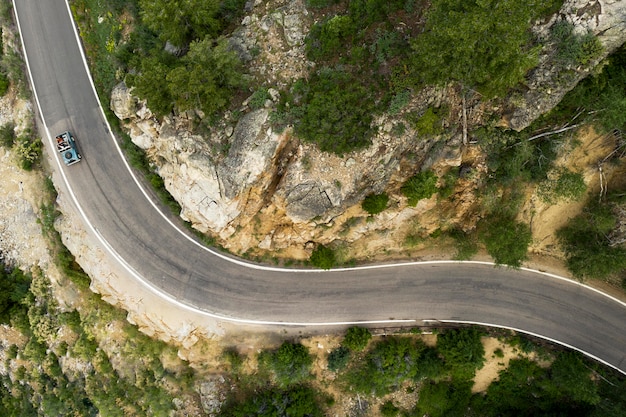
195 309
477 323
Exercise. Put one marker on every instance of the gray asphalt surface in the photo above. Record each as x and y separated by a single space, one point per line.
114 204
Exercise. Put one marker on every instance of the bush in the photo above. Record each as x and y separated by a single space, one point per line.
485 45
444 399
462 350
298 401
430 123
420 186
567 186
337 113
4 83
7 135
291 363
388 364
506 240
375 203
356 338
588 249
387 409
323 257
338 358
572 48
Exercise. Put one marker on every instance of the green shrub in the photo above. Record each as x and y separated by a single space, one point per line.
338 358
430 123
28 151
506 240
588 249
573 48
375 203
387 365
291 363
7 135
4 83
297 401
444 399
337 113
567 186
486 45
323 257
356 338
465 243
462 350
387 409
259 97
420 186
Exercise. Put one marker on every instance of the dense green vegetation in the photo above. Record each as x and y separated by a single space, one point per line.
375 203
568 385
484 45
587 242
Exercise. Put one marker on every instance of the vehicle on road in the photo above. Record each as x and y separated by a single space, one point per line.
66 145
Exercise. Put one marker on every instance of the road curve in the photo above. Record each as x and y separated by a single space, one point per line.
155 251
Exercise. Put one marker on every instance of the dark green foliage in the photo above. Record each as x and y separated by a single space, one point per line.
180 22
338 358
462 350
337 112
375 203
386 366
573 48
234 358
430 365
485 45
151 83
4 83
356 338
588 249
602 95
298 401
571 379
525 389
388 409
506 240
420 186
7 135
291 363
207 78
14 287
323 257
444 399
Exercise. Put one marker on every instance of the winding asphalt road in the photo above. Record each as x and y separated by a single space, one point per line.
155 251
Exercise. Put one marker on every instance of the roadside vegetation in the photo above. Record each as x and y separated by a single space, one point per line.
371 57
439 377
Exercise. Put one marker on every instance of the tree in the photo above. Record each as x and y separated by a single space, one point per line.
337 112
181 21
506 240
150 83
299 401
291 363
356 338
420 186
207 77
375 203
462 350
323 257
483 44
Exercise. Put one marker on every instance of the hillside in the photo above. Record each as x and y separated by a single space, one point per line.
416 166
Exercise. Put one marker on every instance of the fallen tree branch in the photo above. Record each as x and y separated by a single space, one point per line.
554 132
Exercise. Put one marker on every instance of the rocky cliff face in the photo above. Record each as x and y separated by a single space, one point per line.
548 83
258 188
